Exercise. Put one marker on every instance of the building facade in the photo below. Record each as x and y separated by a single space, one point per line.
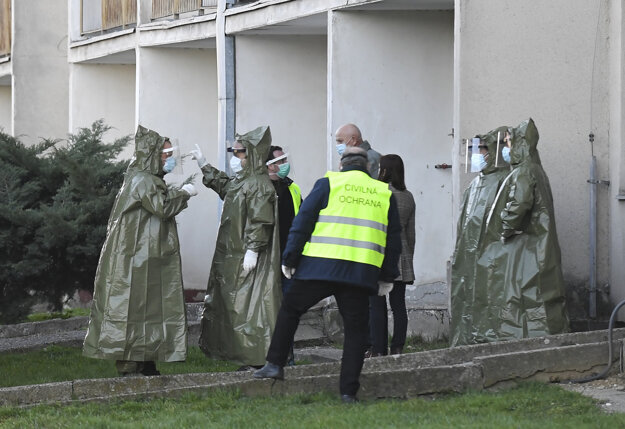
417 76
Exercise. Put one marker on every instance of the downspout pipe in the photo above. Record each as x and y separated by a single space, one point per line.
593 181
226 90
592 297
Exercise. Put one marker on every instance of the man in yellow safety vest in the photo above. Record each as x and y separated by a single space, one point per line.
289 197
345 242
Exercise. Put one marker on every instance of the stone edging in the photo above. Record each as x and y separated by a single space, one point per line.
547 359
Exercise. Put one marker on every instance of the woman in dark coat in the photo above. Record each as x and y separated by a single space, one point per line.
392 172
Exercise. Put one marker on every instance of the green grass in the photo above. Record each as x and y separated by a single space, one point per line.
417 344
530 405
56 363
38 317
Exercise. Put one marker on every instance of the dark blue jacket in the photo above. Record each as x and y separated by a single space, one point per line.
337 270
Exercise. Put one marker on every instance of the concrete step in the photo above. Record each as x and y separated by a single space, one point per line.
485 366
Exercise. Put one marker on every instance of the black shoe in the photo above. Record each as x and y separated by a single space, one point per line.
397 350
349 399
149 369
130 374
270 370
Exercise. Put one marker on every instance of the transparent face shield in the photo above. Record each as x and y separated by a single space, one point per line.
477 158
502 158
505 147
279 167
172 159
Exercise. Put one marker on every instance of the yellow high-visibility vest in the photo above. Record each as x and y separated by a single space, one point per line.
353 225
296 196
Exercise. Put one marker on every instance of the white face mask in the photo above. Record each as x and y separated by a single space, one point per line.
235 164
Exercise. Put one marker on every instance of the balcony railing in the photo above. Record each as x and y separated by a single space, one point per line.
104 15
5 27
164 8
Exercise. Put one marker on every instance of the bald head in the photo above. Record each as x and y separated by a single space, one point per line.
348 134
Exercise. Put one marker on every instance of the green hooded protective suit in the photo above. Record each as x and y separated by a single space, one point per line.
138 311
474 312
241 308
522 262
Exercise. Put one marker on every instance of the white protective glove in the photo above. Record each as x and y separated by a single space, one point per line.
249 260
197 155
288 271
384 288
189 189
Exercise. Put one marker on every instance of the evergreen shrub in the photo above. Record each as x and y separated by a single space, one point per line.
55 200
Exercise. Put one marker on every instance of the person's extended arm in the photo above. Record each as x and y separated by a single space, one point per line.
212 178
157 198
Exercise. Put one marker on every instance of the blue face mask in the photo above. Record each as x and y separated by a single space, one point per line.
505 154
284 170
170 164
340 148
478 162
482 162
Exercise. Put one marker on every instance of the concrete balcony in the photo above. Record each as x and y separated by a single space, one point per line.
5 28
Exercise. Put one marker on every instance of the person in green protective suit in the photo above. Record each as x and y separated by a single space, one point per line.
138 313
243 293
522 262
473 311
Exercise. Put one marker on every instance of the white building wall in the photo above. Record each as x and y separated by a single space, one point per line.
535 59
104 91
392 75
281 82
177 97
5 109
617 153
40 69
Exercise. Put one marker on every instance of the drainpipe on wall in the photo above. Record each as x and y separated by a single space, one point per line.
592 296
225 84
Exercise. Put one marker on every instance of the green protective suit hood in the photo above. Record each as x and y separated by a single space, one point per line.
524 140
257 143
521 264
494 161
138 311
241 307
148 148
471 312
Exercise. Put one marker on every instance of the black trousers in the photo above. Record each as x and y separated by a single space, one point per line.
379 320
353 303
